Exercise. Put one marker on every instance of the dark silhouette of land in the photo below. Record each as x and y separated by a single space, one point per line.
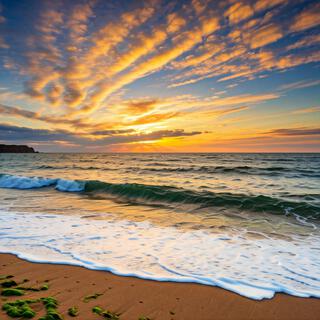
7 148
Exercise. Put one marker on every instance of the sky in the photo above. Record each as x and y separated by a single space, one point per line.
160 76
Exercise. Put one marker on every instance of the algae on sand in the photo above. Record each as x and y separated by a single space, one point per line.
19 309
91 296
12 292
8 284
73 311
105 313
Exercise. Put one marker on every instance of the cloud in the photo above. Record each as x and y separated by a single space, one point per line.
308 18
155 117
263 36
136 107
300 85
175 22
267 4
238 12
305 42
18 112
221 112
78 20
111 132
295 132
182 43
307 110
10 133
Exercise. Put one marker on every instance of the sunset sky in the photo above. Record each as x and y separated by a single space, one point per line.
160 76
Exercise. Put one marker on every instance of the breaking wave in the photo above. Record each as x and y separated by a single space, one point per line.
166 194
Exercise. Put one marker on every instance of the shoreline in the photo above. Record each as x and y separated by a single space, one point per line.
134 297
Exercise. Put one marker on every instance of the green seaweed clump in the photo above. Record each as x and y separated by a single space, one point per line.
144 318
73 311
8 284
19 309
51 305
44 287
97 310
91 296
12 292
105 313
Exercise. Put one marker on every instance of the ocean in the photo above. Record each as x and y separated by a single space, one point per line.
248 223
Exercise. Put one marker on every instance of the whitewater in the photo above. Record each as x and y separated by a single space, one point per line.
248 223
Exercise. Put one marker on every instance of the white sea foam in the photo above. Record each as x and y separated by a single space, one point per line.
255 268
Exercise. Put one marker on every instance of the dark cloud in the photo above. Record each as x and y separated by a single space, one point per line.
10 133
14 133
295 132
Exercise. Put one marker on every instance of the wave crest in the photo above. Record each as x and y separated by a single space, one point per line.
167 194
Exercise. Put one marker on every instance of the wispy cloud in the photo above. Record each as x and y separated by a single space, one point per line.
295 132
300 85
307 110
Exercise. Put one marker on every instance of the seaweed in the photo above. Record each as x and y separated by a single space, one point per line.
144 318
105 313
52 314
8 284
42 288
12 292
91 296
51 304
73 311
97 310
19 309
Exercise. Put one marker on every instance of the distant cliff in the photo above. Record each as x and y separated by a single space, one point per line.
6 148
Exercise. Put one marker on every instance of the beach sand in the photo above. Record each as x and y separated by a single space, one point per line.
133 298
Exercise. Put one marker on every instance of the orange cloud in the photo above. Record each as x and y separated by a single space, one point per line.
77 23
181 43
153 118
175 22
308 18
134 107
266 4
263 36
238 12
307 110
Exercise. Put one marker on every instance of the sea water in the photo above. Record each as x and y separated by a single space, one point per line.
248 223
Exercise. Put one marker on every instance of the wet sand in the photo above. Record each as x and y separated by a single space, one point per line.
133 298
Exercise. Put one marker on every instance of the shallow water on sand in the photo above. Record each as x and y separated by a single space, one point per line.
246 222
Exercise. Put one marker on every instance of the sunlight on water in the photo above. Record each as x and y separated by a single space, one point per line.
242 222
